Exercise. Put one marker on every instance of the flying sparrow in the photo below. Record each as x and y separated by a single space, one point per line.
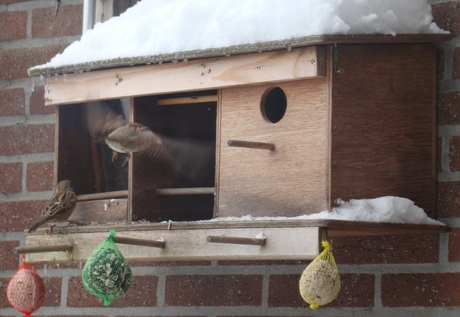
120 135
59 208
132 137
189 158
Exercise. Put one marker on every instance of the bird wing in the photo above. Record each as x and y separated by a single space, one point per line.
61 204
101 119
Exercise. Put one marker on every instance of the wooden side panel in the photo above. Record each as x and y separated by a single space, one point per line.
289 181
100 211
383 119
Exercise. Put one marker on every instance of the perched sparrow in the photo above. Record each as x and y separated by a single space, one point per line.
59 208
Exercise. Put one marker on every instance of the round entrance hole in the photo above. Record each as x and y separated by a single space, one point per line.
273 104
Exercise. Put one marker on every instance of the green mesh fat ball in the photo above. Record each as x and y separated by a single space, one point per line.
106 273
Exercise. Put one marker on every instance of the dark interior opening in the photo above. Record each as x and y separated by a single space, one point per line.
84 160
273 104
186 160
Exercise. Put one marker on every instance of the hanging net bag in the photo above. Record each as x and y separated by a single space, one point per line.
26 291
106 273
320 281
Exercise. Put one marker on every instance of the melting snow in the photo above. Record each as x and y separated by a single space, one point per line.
388 209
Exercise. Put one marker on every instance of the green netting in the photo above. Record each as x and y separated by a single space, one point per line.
106 273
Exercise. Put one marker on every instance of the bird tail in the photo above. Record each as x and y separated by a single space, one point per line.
37 224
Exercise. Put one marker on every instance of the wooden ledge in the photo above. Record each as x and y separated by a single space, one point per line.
338 228
190 240
335 228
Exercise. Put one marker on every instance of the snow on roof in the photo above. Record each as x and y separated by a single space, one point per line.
388 209
156 30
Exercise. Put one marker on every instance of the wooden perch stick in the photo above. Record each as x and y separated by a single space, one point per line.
186 100
43 248
142 242
107 195
186 191
236 240
252 145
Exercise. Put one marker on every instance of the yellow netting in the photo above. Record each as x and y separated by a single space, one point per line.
320 281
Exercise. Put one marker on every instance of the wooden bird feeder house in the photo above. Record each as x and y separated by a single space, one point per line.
292 126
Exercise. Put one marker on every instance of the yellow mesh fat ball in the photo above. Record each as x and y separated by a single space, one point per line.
320 281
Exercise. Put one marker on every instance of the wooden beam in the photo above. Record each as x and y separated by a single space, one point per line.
43 248
186 191
236 240
251 145
186 100
203 74
106 195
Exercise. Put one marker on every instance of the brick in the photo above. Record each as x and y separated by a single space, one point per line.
11 177
357 291
53 287
448 105
213 290
15 62
448 199
143 292
21 214
447 16
78 296
454 245
448 108
284 291
456 64
9 259
386 249
40 176
27 138
420 290
13 25
67 22
37 102
454 154
12 102
3 285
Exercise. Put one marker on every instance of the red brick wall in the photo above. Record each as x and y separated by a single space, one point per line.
416 275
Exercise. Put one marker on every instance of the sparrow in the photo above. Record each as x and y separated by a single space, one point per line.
119 134
59 208
131 137
189 158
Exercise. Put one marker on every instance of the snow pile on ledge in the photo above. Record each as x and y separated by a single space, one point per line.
389 209
154 27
